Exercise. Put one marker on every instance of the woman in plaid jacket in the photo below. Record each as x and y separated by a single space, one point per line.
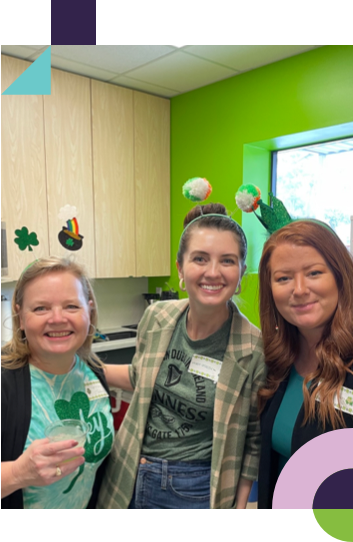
191 436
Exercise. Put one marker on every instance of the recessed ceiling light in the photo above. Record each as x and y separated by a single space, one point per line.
178 45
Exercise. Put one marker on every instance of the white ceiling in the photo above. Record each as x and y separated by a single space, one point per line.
163 70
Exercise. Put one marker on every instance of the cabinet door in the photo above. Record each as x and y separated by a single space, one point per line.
152 181
67 115
114 192
23 187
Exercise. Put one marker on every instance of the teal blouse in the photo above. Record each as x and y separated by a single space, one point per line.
286 417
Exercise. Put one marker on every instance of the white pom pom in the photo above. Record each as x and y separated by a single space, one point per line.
199 188
245 201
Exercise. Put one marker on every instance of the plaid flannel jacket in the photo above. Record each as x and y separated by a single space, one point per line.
236 427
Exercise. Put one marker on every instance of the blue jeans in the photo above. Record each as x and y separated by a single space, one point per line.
171 484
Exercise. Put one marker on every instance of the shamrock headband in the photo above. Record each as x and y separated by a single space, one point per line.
274 216
199 189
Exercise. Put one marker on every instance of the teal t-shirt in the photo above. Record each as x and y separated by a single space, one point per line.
180 420
79 395
286 417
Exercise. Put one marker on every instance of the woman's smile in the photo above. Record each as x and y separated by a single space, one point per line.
211 267
55 315
303 287
212 287
58 334
304 306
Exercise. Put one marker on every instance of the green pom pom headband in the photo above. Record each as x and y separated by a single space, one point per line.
248 199
274 217
199 189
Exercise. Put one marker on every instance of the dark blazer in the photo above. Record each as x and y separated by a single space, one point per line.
268 469
16 410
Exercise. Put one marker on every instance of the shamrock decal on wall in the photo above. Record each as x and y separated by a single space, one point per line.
26 239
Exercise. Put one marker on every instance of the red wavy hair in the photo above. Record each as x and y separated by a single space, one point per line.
335 348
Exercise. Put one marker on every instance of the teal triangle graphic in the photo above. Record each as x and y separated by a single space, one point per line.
36 79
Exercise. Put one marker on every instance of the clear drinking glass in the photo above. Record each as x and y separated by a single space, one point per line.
67 430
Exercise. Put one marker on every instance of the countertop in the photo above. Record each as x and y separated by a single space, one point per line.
104 346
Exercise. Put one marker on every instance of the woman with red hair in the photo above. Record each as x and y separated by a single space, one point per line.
306 313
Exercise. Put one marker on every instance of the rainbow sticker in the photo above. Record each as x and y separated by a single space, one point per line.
69 236
72 225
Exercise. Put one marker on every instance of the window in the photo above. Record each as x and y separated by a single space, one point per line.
316 181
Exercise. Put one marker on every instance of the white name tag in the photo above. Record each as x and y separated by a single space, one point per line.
346 400
95 390
205 367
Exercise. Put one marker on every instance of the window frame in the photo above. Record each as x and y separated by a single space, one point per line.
257 169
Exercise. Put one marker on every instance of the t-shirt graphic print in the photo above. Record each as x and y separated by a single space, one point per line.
180 419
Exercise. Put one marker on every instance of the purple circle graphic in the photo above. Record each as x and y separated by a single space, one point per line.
314 462
336 491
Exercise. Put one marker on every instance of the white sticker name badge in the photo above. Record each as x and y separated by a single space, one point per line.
95 390
346 400
205 367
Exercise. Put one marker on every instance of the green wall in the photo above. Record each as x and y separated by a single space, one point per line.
224 130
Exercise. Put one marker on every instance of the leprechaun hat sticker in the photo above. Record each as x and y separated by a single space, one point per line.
333 505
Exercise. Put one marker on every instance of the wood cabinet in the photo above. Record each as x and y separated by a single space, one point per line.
114 190
67 121
23 182
131 140
152 184
100 148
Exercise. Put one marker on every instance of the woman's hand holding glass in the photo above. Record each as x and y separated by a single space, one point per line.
44 462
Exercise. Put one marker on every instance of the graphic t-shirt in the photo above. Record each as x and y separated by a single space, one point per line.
180 419
78 395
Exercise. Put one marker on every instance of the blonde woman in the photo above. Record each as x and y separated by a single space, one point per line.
50 373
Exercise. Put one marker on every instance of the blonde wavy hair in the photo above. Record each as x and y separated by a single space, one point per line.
334 351
16 352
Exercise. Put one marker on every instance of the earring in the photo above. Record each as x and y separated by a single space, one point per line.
238 290
276 326
24 338
182 288
94 332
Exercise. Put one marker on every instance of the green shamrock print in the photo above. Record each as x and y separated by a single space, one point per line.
26 239
99 439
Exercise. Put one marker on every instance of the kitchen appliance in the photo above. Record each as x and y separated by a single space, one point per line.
153 298
4 268
150 299
169 294
6 320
